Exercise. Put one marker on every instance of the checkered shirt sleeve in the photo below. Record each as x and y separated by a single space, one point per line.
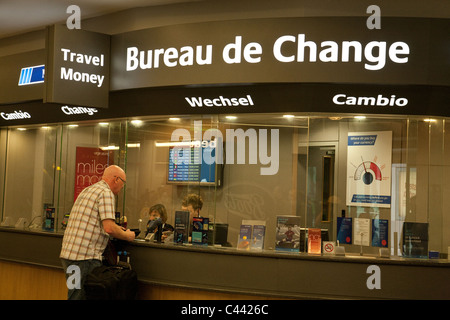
84 237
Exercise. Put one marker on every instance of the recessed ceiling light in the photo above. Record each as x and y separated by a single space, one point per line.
288 116
136 122
174 119
231 117
134 145
360 117
111 147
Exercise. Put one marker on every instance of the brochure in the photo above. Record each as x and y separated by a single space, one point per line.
380 233
257 234
415 240
182 227
245 236
257 242
49 221
314 241
200 227
344 230
361 227
288 234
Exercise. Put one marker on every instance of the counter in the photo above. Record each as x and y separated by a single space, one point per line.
265 273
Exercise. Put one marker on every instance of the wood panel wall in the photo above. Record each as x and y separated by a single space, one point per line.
30 282
19 281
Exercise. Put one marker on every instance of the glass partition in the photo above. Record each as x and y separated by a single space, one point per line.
249 169
167 159
263 173
29 175
86 150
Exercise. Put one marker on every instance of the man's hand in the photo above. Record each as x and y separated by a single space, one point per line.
116 231
130 235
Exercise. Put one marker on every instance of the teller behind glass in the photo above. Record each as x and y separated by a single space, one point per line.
192 203
157 226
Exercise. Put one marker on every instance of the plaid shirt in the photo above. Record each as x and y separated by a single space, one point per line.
84 237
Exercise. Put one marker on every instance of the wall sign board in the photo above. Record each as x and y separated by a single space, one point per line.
320 64
254 98
285 97
294 50
77 67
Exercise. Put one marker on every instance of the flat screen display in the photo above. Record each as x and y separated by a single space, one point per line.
192 165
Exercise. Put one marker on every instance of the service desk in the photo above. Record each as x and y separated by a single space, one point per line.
265 274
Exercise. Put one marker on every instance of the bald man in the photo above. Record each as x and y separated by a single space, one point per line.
90 224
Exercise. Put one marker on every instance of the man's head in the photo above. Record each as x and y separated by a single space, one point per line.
193 203
115 177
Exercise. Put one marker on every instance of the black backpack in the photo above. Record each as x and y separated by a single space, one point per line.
117 282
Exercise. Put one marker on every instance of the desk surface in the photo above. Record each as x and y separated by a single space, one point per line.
269 273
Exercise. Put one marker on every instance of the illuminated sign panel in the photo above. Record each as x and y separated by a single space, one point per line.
312 64
77 67
32 75
283 50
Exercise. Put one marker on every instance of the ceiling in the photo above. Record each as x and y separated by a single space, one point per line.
19 16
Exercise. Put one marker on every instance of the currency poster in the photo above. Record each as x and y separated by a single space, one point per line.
369 158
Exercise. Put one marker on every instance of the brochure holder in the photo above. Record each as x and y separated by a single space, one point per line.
339 251
7 222
21 223
384 252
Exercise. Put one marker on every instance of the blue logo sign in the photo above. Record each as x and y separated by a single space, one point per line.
32 75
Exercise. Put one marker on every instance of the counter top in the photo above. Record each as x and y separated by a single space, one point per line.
349 257
267 272
40 232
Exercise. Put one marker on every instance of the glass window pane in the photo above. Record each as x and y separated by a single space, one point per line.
30 176
87 149
169 158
